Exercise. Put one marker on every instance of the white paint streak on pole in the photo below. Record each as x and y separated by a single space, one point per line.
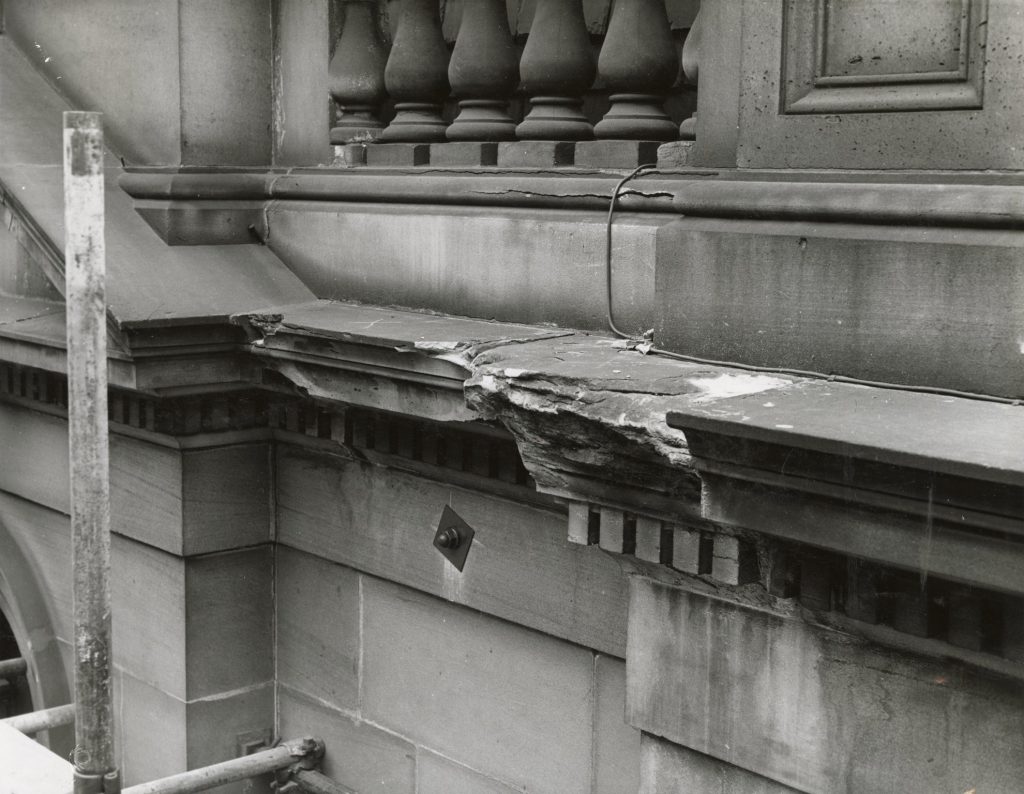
85 266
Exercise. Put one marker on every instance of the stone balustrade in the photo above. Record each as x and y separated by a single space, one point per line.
356 74
478 73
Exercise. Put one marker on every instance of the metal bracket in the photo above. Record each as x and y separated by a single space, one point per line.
250 742
309 781
453 538
85 783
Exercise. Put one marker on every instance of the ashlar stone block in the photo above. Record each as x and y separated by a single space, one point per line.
507 701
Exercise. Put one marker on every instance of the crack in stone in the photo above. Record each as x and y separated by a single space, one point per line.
564 195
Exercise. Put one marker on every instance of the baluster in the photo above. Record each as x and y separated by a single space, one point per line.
638 63
483 72
691 68
557 67
357 74
417 74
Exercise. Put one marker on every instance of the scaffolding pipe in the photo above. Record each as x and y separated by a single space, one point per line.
85 265
11 668
259 763
43 720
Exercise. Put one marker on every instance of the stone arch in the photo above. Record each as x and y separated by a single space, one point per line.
23 603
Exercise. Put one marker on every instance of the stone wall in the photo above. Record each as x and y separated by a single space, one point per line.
802 706
178 82
193 651
415 694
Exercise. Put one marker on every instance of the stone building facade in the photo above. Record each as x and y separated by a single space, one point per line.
364 263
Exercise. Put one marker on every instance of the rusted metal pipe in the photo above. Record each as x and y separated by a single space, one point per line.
276 758
85 265
10 668
42 720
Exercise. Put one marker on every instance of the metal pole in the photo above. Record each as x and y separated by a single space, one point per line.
85 263
11 668
272 760
44 720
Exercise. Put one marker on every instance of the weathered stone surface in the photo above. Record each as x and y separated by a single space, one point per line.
349 155
535 154
888 304
398 154
39 441
616 743
717 111
225 497
162 496
612 534
224 56
936 134
649 537
678 154
214 726
883 536
163 107
302 119
668 768
473 262
616 154
235 223
435 775
481 690
142 108
588 413
733 561
179 282
228 621
466 154
813 708
317 627
521 568
686 545
148 596
149 754
359 755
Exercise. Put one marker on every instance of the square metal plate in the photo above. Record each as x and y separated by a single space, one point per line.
455 553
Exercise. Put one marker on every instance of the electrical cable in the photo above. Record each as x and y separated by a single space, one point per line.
647 170
608 244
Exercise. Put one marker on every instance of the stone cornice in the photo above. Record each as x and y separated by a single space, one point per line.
915 480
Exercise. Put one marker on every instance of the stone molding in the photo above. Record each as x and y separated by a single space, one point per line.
971 200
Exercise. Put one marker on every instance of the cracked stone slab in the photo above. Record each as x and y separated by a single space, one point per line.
391 359
589 413
456 339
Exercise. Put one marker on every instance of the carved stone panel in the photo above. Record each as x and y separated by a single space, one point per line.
876 84
848 56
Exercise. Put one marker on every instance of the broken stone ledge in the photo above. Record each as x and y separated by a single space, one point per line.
590 416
